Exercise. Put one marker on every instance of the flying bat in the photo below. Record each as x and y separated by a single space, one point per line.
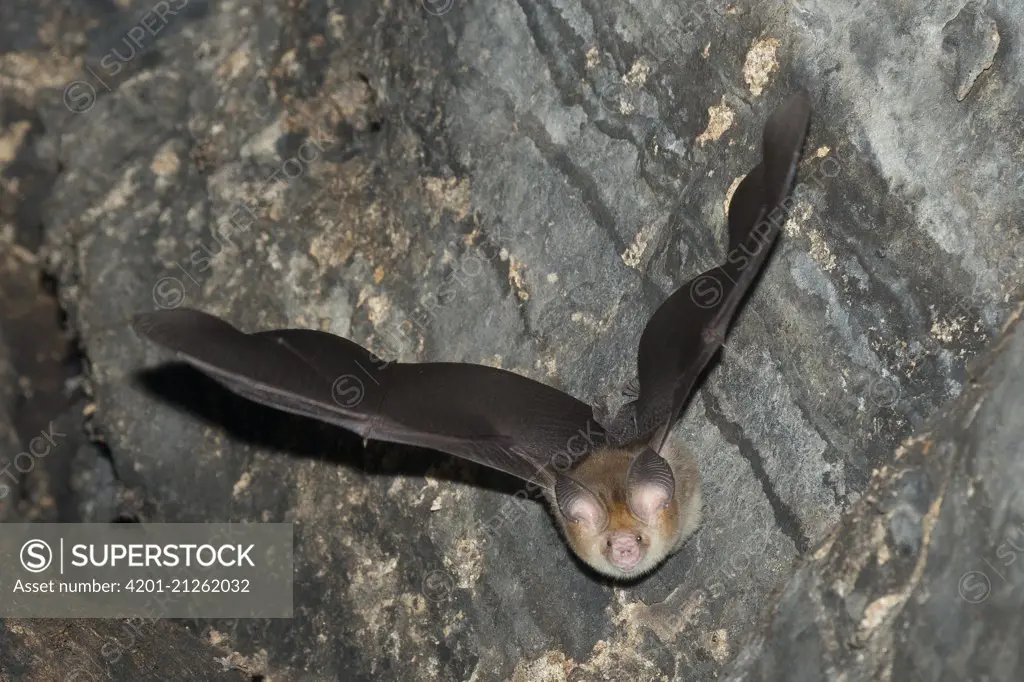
624 495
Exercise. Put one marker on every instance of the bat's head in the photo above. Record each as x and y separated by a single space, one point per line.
621 516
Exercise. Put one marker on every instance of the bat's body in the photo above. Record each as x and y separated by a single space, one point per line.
624 495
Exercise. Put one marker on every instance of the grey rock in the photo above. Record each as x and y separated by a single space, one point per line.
41 409
522 184
129 649
10 488
920 580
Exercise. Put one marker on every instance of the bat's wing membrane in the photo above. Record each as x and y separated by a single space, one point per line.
488 415
689 327
484 414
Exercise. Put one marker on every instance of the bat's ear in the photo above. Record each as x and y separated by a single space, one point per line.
578 504
650 483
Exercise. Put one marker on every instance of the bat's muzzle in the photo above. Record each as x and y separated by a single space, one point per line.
625 552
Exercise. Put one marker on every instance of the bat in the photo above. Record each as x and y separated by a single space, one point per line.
623 494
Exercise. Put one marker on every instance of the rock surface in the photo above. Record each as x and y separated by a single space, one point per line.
521 184
919 582
88 650
10 490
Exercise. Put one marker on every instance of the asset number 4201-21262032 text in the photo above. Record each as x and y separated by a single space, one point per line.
187 585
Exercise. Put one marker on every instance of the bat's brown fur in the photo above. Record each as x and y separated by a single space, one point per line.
604 474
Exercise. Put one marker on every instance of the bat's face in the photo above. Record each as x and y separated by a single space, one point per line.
626 547
620 514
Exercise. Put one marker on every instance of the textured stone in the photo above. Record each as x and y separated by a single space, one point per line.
920 581
131 649
521 184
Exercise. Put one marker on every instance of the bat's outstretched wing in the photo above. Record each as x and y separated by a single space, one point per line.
483 414
690 326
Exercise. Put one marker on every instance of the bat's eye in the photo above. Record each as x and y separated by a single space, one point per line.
639 539
609 542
